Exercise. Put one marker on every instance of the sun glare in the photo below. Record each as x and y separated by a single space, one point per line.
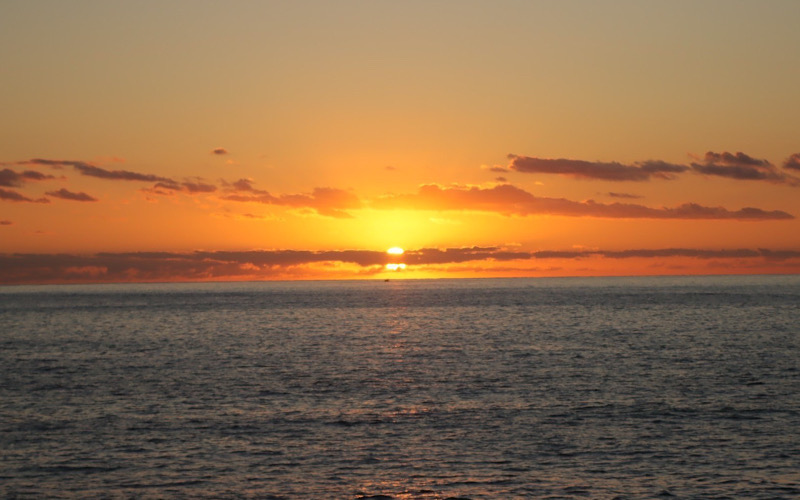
395 267
395 251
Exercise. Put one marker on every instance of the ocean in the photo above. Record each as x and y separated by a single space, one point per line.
647 387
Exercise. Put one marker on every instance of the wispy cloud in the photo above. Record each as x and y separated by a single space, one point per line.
93 171
740 166
242 185
6 223
10 195
330 202
510 200
69 195
219 151
793 162
11 178
456 255
624 195
187 186
608 171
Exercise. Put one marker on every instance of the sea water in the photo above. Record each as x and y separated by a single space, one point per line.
517 388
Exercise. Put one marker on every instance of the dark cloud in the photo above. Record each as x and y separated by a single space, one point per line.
624 195
325 201
497 169
57 164
740 253
501 179
608 171
101 173
198 187
188 187
6 223
510 200
9 195
647 254
69 195
205 265
169 266
11 178
242 185
726 158
793 162
740 166
219 151
456 255
119 175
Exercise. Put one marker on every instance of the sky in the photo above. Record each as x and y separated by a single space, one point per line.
201 140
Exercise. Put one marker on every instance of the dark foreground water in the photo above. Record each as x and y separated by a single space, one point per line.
548 388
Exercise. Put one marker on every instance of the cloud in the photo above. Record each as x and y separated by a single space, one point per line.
265 264
510 200
171 266
501 179
188 187
198 187
739 158
793 162
69 195
219 151
57 164
495 168
9 195
608 171
242 185
6 223
11 178
648 253
624 195
330 202
456 255
101 173
740 166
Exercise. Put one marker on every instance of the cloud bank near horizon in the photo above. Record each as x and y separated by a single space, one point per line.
278 264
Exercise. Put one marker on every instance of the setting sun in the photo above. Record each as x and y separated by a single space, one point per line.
395 251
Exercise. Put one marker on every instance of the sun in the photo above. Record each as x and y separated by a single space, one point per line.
395 266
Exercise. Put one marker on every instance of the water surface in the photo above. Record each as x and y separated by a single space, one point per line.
514 388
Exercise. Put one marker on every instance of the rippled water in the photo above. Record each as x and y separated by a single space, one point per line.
562 388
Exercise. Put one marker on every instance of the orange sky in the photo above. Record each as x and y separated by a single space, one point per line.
194 140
